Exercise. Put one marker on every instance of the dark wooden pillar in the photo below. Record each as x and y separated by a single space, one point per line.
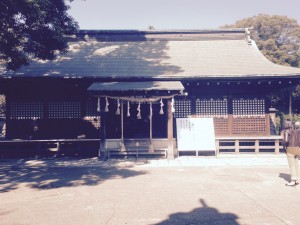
102 150
8 120
170 131
290 105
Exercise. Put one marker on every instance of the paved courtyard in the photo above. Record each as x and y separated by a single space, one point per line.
229 189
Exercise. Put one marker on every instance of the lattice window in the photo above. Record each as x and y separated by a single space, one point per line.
248 107
58 110
221 126
242 125
26 110
212 108
182 108
91 114
91 107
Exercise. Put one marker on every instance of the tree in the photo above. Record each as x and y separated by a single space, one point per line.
278 37
33 29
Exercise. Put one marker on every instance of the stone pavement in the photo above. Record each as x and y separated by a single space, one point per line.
225 160
229 189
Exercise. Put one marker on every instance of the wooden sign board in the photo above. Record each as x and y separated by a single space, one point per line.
195 134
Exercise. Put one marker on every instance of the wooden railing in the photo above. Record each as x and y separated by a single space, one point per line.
259 144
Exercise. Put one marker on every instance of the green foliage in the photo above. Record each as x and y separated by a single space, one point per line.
281 117
33 29
278 37
282 94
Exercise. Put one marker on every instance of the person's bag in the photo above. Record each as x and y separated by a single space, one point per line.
293 150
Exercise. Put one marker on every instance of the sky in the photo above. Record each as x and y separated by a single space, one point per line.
174 14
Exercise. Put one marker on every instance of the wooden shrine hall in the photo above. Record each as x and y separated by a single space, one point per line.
127 88
139 93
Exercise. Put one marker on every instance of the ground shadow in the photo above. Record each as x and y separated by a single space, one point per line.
49 174
285 176
204 215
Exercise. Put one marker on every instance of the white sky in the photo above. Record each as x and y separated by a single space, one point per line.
174 14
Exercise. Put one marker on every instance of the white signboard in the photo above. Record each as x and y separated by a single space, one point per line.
195 134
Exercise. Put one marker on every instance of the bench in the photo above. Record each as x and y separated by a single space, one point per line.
136 148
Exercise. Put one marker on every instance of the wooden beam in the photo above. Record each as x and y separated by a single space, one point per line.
256 146
277 146
290 105
268 125
170 131
151 148
236 147
102 148
217 146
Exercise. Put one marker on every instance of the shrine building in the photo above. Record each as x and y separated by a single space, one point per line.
126 88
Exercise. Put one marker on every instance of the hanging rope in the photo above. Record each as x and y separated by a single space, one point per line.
138 99
161 112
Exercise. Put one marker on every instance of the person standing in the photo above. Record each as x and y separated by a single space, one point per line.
292 144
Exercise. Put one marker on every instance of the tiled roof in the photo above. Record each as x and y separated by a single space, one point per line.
159 54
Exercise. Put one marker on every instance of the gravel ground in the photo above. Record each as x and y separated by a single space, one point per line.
189 190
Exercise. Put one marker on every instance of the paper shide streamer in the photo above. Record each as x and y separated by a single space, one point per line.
118 107
106 105
161 112
98 105
139 111
172 105
128 109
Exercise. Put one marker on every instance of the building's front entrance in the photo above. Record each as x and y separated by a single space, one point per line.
134 127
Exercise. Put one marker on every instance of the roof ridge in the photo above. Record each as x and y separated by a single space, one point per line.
163 31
